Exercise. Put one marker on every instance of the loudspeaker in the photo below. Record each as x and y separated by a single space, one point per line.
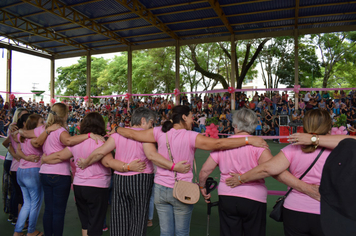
283 120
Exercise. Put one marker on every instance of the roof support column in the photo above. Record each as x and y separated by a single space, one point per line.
8 75
233 70
88 77
129 75
177 71
296 67
52 77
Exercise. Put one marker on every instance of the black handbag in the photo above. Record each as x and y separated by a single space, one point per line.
277 212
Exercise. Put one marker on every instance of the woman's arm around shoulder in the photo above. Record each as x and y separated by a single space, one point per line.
206 143
57 157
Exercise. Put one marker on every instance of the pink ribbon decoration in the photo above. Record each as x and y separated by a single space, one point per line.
12 97
127 96
296 88
340 130
176 92
53 100
231 90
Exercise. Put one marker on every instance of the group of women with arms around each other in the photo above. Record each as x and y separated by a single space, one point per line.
45 154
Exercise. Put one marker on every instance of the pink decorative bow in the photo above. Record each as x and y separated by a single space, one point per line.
53 101
12 97
340 130
296 88
86 98
127 96
176 92
231 90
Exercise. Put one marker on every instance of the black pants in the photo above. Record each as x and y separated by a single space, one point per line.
129 206
298 223
241 216
92 204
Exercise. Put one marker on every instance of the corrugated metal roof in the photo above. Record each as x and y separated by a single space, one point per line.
109 24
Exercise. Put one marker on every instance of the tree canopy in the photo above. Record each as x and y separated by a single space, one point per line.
325 60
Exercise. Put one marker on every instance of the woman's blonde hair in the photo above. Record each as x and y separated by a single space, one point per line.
57 115
17 114
317 122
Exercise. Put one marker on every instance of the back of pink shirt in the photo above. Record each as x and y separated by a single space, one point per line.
299 163
14 164
28 149
240 160
182 144
128 150
53 144
95 175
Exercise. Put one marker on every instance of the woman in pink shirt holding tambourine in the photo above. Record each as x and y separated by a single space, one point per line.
174 216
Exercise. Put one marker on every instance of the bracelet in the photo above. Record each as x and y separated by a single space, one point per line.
47 132
246 140
123 167
173 166
239 178
128 167
88 135
201 187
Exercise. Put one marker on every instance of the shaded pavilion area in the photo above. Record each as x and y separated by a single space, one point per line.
54 29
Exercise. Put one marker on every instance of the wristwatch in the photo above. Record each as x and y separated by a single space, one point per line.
313 139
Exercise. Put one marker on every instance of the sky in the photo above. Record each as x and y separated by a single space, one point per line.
28 69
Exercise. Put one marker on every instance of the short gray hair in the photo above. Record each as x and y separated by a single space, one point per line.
140 113
245 120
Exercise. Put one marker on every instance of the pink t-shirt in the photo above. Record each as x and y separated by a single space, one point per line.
14 164
95 175
299 163
128 150
53 144
240 160
28 149
182 144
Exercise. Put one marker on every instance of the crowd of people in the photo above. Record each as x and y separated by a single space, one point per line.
48 145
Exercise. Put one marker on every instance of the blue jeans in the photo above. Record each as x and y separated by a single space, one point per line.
202 128
174 216
56 192
151 208
29 181
274 108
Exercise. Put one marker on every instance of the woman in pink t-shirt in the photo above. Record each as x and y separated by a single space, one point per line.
131 188
56 178
249 214
91 184
28 178
301 213
174 216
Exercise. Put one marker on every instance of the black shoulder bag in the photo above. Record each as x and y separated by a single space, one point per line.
277 212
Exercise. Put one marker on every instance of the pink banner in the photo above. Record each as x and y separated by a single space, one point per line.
15 92
2 158
295 89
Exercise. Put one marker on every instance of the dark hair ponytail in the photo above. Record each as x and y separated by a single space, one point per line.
175 117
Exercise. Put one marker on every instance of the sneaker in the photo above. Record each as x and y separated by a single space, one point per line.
14 221
105 229
149 223
10 218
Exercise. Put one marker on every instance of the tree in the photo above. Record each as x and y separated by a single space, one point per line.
72 79
335 48
219 62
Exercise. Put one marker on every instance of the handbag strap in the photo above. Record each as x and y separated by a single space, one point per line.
171 157
311 166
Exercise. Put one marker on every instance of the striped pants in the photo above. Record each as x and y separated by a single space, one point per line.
129 205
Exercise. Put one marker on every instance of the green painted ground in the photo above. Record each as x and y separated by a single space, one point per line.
198 224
